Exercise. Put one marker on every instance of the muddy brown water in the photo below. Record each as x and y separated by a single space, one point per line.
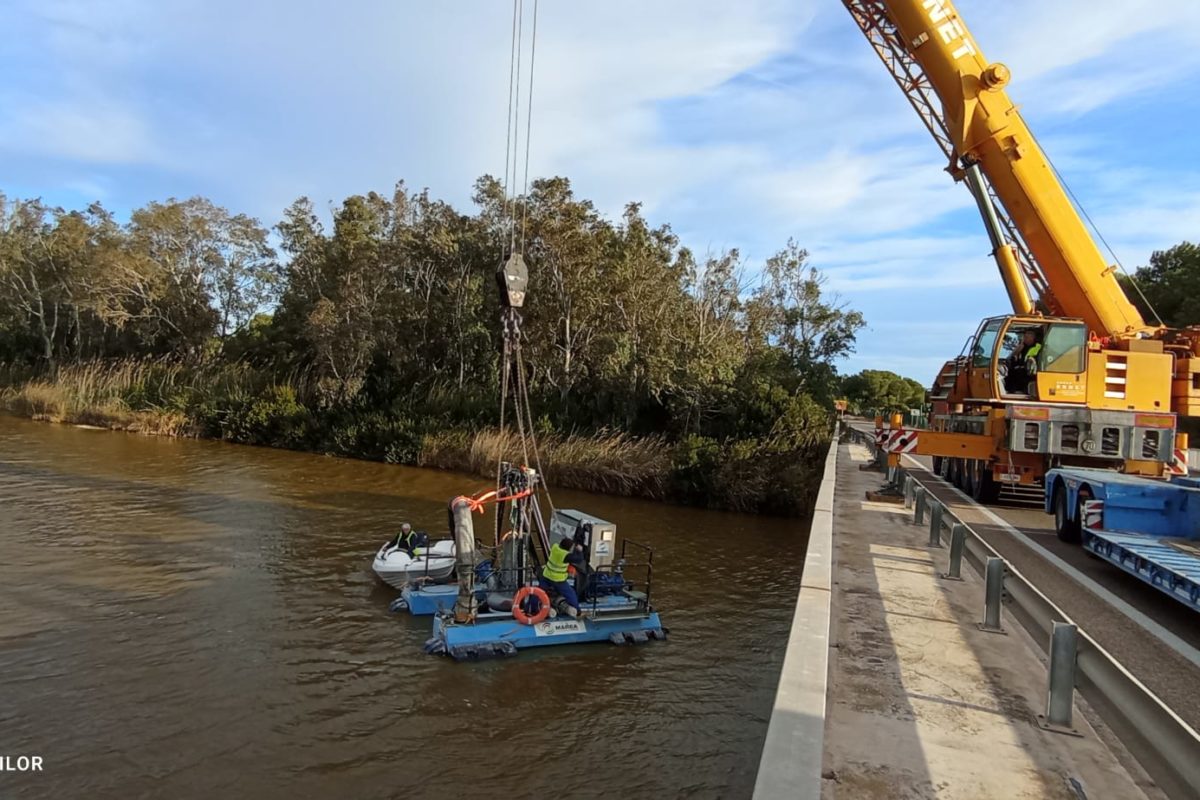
193 619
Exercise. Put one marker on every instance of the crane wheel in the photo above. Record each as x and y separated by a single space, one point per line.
969 476
986 489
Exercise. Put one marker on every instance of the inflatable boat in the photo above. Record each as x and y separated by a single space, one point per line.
433 564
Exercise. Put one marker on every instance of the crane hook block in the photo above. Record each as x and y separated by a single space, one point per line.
513 278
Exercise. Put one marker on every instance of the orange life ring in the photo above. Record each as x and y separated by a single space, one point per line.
519 613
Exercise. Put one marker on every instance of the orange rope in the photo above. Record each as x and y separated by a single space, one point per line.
477 502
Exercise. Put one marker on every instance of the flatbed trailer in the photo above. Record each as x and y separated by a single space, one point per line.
1148 528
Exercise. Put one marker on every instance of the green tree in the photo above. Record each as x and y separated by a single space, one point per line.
883 391
1171 284
193 270
27 276
812 326
709 343
568 244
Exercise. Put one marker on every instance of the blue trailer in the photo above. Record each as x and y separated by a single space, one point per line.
1148 528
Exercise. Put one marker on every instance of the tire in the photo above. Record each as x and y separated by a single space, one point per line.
938 463
968 477
952 471
987 490
1068 530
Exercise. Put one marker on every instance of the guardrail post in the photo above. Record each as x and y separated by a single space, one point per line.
1060 699
993 593
958 542
936 511
910 487
919 503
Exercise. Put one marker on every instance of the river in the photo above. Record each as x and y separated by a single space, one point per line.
192 619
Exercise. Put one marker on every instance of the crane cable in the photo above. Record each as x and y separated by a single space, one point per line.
512 146
513 365
508 127
529 124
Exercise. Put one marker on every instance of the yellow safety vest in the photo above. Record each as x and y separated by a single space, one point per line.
555 570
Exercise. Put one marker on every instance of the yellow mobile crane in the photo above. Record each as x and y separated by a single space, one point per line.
1102 387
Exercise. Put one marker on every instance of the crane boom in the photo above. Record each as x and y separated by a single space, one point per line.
932 55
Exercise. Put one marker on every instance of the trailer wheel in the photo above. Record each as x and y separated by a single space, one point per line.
938 461
1068 529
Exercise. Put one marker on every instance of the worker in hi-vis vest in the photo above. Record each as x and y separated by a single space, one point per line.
407 540
556 576
1031 348
1023 364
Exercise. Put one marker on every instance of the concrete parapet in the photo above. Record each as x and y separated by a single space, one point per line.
791 759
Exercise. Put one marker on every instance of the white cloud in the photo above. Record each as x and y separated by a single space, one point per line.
89 130
1038 38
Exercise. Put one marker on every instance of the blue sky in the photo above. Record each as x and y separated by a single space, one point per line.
741 124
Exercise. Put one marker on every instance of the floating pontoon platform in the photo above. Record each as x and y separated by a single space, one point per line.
617 619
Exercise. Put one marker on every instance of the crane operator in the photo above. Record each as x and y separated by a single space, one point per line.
1023 363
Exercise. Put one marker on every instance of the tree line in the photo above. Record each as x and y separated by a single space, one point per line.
383 321
371 333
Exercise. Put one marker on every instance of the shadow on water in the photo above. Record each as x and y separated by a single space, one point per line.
192 619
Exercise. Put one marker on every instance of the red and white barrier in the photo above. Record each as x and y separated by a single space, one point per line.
902 441
1179 464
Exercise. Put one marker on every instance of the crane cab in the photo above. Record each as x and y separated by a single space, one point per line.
1016 358
1029 393
1055 360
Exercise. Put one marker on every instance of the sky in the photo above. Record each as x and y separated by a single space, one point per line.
741 124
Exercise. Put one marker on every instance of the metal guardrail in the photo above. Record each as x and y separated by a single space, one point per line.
1164 744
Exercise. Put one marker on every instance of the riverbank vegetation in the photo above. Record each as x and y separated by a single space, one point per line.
655 371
